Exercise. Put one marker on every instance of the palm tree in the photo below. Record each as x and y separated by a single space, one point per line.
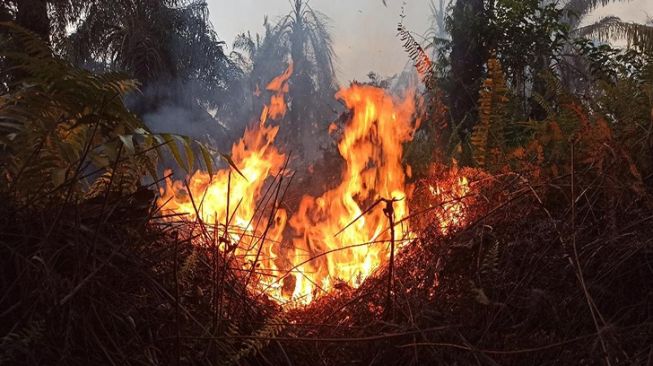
301 37
613 28
608 28
468 55
48 18
170 47
151 39
438 19
579 9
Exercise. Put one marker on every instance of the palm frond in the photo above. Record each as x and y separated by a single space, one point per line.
578 9
614 29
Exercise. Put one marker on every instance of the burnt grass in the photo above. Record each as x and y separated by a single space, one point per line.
533 277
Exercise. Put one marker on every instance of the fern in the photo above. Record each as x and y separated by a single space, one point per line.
490 262
123 180
20 341
488 136
260 339
420 59
60 124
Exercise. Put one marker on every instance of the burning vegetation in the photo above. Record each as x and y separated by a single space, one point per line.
485 208
335 240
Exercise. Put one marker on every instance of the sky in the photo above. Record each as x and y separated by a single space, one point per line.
364 31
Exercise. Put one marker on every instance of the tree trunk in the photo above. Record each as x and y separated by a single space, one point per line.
33 15
537 112
468 55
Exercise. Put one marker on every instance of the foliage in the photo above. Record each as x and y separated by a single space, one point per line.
467 24
637 35
261 338
168 45
488 140
528 37
578 9
303 38
62 126
559 232
609 64
421 60
531 38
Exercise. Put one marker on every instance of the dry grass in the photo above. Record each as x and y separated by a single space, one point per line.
522 282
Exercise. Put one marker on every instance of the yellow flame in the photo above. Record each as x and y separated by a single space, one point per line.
318 260
372 148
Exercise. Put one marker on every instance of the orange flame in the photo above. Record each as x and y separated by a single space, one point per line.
372 148
446 197
257 158
452 213
323 256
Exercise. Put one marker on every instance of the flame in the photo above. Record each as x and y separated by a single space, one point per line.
278 108
372 148
450 197
228 201
452 202
339 238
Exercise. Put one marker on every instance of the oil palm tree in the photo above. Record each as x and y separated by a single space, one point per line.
149 39
301 37
49 18
171 48
613 28
609 28
152 40
304 31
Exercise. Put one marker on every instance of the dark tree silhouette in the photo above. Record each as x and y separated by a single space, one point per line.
301 37
468 55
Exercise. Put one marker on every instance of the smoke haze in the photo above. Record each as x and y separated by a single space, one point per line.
364 31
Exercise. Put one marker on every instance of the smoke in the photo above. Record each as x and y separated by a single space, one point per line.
217 105
364 31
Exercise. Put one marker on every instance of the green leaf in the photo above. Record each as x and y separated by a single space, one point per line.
172 145
208 159
190 155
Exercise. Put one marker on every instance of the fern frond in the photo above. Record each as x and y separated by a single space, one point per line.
261 339
488 136
60 122
421 60
490 262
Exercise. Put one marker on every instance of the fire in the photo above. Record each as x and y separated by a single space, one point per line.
337 239
444 198
452 202
372 148
226 201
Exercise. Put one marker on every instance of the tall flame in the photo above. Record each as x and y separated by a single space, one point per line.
372 148
229 201
338 238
